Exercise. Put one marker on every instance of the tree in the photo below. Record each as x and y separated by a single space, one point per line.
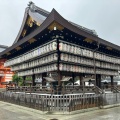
28 80
18 80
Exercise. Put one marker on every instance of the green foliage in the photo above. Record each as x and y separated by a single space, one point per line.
29 78
18 80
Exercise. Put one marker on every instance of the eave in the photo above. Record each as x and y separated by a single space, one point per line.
55 16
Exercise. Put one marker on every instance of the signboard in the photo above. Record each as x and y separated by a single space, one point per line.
38 80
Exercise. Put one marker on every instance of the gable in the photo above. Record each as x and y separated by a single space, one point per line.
33 18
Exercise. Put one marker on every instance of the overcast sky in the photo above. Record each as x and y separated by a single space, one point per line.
100 15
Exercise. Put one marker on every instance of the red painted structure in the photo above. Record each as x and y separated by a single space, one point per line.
5 73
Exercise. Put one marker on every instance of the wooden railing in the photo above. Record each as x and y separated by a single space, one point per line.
53 89
111 88
52 102
64 89
66 99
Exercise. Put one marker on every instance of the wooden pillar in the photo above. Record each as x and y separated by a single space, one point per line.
73 78
111 77
43 80
59 78
81 80
33 80
98 80
59 87
24 80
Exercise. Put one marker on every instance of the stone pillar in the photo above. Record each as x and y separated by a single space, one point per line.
111 77
33 80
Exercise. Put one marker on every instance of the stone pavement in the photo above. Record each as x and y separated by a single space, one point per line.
14 112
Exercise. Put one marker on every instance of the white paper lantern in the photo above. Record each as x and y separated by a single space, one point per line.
50 46
55 56
61 46
77 50
65 47
77 69
67 67
54 46
55 67
61 67
72 49
75 59
65 57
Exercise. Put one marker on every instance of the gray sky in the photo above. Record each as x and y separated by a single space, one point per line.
100 15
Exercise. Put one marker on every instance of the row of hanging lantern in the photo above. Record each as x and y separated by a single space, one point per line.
42 69
88 53
27 72
74 68
106 58
106 72
47 68
81 69
109 65
70 48
75 59
32 54
87 61
37 62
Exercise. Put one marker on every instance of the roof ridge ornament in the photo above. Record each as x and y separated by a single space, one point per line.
32 6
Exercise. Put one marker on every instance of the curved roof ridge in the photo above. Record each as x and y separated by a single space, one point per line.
33 8
46 23
22 25
77 25
84 28
3 46
40 10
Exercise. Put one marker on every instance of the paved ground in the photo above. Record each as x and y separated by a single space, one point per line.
13 112
2 89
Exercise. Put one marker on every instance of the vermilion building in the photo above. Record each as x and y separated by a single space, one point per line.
5 72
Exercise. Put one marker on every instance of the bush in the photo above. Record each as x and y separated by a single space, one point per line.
18 80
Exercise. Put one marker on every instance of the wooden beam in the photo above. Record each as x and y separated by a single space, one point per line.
30 21
55 25
32 40
8 53
24 32
18 48
88 40
109 48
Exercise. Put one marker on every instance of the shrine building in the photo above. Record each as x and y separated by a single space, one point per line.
49 45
